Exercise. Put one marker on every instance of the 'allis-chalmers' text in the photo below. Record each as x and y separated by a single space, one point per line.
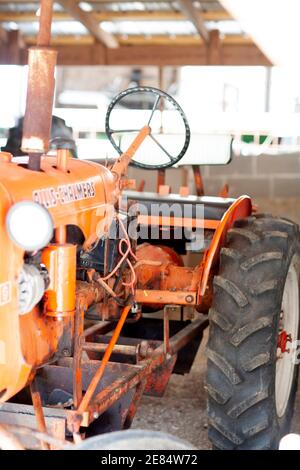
64 194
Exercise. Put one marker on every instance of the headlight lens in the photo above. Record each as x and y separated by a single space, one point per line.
29 225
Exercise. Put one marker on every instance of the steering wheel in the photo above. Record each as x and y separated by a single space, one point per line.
155 100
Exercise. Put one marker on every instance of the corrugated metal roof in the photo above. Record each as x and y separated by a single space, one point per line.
24 7
150 18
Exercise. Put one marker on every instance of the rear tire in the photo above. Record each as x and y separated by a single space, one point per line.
259 272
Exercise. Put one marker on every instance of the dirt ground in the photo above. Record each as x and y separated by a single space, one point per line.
182 411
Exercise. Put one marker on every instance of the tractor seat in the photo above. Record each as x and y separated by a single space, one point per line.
177 206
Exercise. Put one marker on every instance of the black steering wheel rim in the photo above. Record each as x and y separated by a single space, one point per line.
161 94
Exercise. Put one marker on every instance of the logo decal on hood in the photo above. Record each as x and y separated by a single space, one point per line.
64 194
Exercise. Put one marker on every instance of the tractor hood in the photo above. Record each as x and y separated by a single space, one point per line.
71 197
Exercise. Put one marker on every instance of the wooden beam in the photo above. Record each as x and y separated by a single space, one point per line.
3 36
170 15
138 40
14 46
195 17
184 55
243 55
232 54
89 22
158 55
233 51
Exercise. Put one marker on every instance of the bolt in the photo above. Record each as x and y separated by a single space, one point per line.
66 352
189 298
95 415
135 308
144 349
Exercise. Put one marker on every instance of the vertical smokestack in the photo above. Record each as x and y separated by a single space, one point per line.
40 91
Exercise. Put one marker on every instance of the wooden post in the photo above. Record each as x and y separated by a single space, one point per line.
214 48
13 50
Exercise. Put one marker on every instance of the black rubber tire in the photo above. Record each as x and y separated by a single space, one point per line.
244 323
133 439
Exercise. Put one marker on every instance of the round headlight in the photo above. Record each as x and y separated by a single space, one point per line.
29 225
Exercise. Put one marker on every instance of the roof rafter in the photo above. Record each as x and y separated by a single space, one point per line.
195 17
90 23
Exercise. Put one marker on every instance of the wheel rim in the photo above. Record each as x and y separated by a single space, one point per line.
288 325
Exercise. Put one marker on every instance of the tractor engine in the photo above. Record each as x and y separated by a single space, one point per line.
39 213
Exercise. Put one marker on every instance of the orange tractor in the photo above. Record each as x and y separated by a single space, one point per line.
80 338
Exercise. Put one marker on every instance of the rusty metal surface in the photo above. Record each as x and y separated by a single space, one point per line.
118 348
161 178
89 293
162 279
114 390
118 379
77 353
104 363
162 297
40 90
38 411
128 418
39 101
199 187
60 376
166 328
158 380
98 327
45 20
62 159
156 268
138 348
184 336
